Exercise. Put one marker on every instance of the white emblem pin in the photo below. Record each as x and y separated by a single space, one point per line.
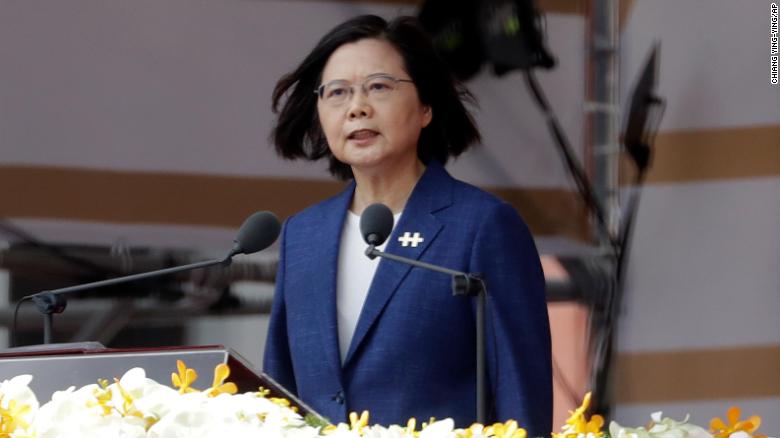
409 239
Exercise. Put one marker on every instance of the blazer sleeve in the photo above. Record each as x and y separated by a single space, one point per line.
277 361
518 330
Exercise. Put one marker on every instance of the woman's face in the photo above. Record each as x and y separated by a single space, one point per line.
372 130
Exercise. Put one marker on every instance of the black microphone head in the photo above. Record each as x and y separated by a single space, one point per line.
257 232
376 224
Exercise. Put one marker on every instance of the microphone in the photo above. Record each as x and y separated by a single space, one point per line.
257 233
376 224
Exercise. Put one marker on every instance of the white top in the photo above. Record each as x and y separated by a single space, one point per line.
354 277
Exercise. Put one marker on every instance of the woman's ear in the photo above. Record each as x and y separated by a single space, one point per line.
427 115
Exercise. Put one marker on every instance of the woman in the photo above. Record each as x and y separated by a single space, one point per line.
348 333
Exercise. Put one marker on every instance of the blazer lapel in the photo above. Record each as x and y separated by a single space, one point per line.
327 235
431 193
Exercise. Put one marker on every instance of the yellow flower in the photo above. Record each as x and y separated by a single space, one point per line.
356 423
128 408
11 417
510 429
184 379
221 372
431 420
722 430
410 426
103 398
283 402
474 429
578 424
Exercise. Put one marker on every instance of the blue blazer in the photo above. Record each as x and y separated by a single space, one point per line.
412 354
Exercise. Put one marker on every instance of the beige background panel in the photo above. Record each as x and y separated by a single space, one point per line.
198 199
703 270
182 86
549 6
712 154
714 61
149 197
741 372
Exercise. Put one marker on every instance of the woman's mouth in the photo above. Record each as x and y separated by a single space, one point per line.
363 136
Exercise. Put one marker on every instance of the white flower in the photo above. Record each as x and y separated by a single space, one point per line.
18 390
198 415
661 428
150 398
343 431
136 406
439 429
378 431
76 413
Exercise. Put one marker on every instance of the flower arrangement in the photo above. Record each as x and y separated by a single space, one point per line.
136 406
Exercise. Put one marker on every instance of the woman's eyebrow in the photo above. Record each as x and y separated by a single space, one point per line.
381 73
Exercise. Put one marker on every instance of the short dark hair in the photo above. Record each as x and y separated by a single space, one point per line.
297 132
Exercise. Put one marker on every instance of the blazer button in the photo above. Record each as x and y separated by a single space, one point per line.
338 397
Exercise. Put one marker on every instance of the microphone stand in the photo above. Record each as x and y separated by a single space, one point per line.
257 232
53 301
463 284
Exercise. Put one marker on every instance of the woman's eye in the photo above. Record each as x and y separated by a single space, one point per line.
378 86
336 92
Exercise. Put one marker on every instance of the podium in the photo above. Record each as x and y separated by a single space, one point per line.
55 367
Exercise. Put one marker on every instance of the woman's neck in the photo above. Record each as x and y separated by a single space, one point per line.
391 188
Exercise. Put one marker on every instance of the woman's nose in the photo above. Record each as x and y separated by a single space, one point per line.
359 106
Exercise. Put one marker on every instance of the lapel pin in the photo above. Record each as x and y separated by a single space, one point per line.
409 239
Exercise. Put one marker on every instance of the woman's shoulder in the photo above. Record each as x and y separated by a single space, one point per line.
464 191
444 184
478 206
467 195
315 213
